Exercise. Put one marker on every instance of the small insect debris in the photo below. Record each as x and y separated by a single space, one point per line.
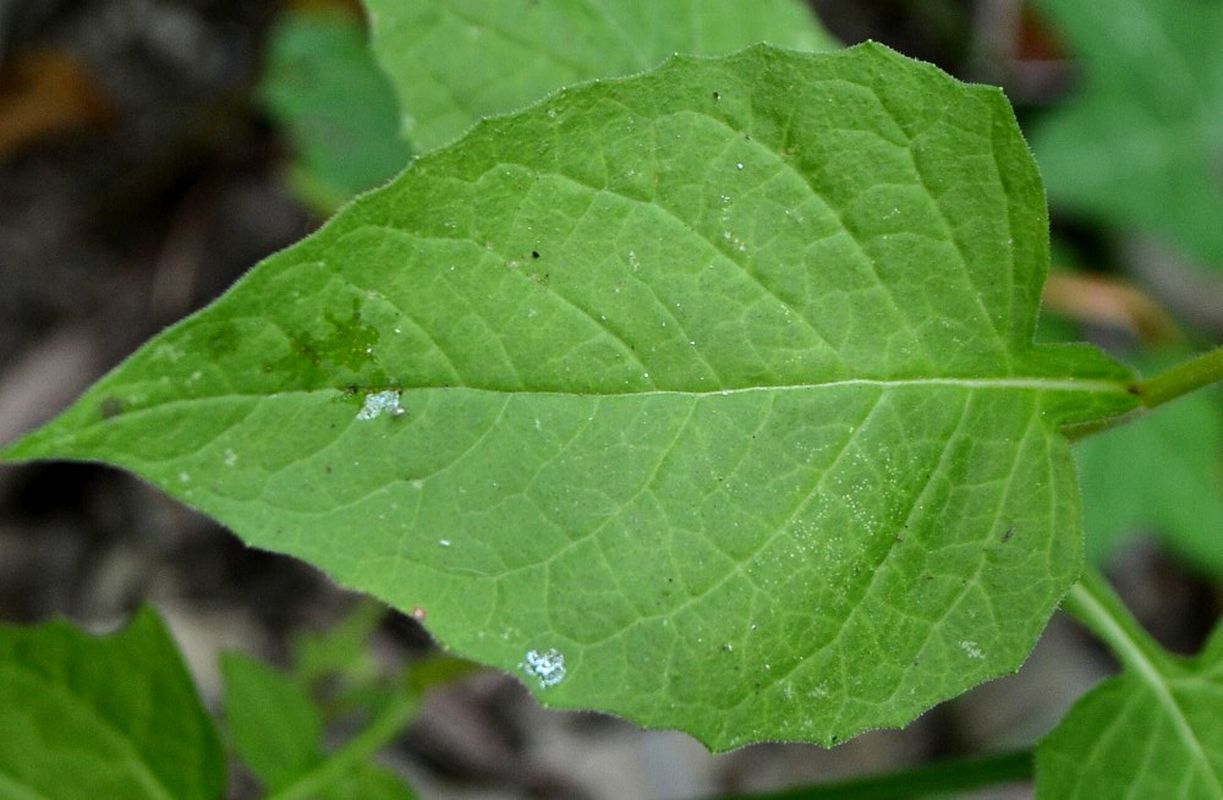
547 667
380 403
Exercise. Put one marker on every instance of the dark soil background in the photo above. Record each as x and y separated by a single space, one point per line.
139 177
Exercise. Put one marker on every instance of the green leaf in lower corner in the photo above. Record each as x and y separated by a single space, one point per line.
368 783
336 106
272 721
1162 473
455 61
707 397
1140 142
341 651
1156 732
110 718
277 731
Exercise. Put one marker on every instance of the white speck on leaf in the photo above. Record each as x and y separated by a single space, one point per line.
443 542
380 403
739 165
547 667
971 649
231 458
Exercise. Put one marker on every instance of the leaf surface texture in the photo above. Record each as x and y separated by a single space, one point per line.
706 397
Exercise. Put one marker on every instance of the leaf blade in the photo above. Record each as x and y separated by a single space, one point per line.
815 458
1152 732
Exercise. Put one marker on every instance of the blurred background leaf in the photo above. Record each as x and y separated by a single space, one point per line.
106 717
277 723
1162 474
337 109
454 62
1139 142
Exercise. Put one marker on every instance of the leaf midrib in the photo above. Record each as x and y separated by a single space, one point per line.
1086 385
1029 383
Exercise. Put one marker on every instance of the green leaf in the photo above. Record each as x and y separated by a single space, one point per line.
1162 473
112 717
368 783
324 88
1153 731
343 649
455 61
1140 144
706 397
277 731
272 721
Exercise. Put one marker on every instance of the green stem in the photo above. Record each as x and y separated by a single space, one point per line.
1093 603
385 727
955 775
1181 379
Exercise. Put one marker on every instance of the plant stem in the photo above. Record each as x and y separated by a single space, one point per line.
955 775
1181 379
385 727
1094 603
1153 392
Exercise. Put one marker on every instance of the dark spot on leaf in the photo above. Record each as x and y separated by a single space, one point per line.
1006 536
352 343
717 95
110 408
327 468
222 341
534 254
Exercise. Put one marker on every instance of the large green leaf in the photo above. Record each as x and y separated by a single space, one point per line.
1162 474
1140 143
1154 731
706 397
113 718
336 106
455 61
